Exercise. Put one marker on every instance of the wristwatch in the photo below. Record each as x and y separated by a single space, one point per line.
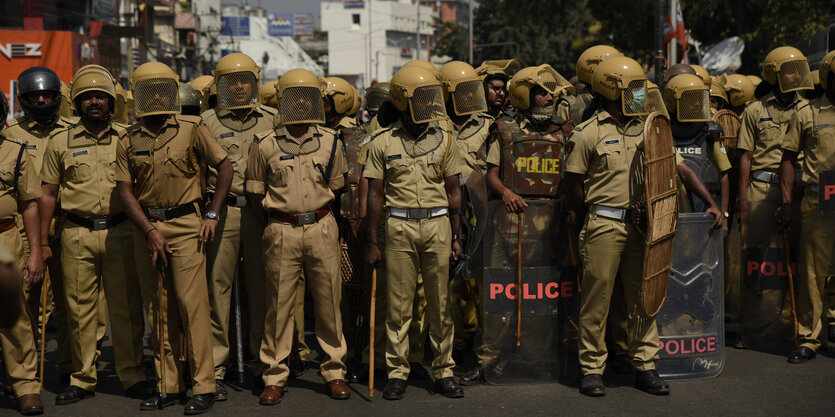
726 214
212 215
456 237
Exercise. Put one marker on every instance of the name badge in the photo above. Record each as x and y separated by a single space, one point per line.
286 157
28 146
142 153
393 157
611 142
227 134
78 153
766 119
822 126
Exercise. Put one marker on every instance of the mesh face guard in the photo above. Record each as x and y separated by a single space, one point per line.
794 76
422 145
427 104
156 96
634 99
237 90
468 98
693 106
302 105
656 102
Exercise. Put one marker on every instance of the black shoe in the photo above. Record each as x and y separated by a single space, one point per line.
157 402
417 371
474 377
296 368
623 365
801 355
139 390
73 395
650 382
221 394
199 404
592 385
449 388
395 389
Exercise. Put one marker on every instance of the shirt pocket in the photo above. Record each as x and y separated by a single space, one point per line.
232 148
612 156
177 165
280 173
398 170
78 170
768 131
7 174
141 164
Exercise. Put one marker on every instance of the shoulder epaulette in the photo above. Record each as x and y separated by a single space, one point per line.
486 116
59 131
20 142
208 113
328 130
580 126
11 122
119 126
67 120
379 132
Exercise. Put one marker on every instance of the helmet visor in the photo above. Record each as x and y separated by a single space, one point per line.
427 104
237 90
656 102
794 76
693 106
156 96
634 98
302 105
468 98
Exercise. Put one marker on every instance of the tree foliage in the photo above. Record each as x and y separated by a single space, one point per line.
452 42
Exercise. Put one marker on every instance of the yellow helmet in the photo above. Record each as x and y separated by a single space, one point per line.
342 94
687 96
66 106
463 84
155 89
120 113
266 94
236 77
740 89
418 90
717 89
702 73
826 69
357 102
190 100
199 84
754 80
787 68
590 58
622 78
300 97
421 64
92 78
376 95
543 76
655 100
502 68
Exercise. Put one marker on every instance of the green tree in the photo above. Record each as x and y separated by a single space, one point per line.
452 42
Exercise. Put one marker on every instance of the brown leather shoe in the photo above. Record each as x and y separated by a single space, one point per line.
338 390
30 404
271 395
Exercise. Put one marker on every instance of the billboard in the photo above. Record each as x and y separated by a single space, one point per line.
280 24
303 24
234 26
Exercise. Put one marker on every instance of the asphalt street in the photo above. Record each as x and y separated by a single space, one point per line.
752 383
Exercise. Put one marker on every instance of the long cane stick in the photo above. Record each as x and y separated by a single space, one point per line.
239 337
371 324
161 330
791 284
43 323
519 280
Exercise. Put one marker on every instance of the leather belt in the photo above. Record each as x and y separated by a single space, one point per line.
607 212
97 223
417 213
7 225
157 213
772 177
300 219
231 200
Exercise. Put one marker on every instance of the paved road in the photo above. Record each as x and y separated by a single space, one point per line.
752 383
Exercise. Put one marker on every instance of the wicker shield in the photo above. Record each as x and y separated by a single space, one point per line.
730 123
662 210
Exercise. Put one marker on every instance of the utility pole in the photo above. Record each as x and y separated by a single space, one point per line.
673 25
417 32
470 43
659 40
370 51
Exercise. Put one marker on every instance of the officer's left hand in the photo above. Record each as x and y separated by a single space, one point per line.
207 230
718 217
33 272
456 250
784 216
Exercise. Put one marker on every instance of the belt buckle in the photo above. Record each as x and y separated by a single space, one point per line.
306 218
99 224
419 213
157 213
240 201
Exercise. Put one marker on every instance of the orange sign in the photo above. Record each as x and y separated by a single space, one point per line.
21 49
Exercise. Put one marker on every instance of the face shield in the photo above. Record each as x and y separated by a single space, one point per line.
794 76
693 106
301 105
634 98
237 90
156 96
656 102
468 98
426 104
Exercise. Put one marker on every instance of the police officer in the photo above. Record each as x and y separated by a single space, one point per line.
496 74
266 94
39 94
202 85
190 100
740 91
157 166
375 96
677 69
293 173
233 123
718 95
811 131
414 165
97 239
19 191
598 169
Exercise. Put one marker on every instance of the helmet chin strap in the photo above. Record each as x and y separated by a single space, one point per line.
539 116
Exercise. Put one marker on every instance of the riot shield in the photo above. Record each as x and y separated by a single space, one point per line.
474 206
691 321
545 348
662 210
356 293
730 123
766 305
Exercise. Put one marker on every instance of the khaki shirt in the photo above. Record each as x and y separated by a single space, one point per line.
36 134
235 137
494 155
605 154
764 125
28 183
812 131
291 171
471 138
346 122
83 166
413 182
163 167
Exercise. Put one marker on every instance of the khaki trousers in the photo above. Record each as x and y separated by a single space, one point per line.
239 235
18 343
301 348
413 248
187 303
96 261
817 237
290 251
608 247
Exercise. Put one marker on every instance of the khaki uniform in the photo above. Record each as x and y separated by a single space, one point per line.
812 131
472 142
290 173
36 137
416 247
238 235
764 125
604 154
163 168
83 167
17 342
